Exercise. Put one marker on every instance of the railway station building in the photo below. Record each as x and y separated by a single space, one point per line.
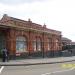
27 39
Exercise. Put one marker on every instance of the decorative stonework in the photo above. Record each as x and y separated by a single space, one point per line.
30 31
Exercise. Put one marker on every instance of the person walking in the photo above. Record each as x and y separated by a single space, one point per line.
4 55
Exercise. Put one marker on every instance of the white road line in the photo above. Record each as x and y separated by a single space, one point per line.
1 69
58 71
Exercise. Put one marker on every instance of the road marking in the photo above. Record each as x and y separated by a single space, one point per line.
1 69
58 71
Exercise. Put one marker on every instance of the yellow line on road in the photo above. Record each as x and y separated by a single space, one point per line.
58 71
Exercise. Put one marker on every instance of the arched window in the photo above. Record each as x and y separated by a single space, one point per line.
57 43
34 45
37 44
49 44
21 44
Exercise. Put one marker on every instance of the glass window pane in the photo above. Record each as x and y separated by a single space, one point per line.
39 45
34 45
21 44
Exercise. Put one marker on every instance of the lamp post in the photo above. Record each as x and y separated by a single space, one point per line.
43 46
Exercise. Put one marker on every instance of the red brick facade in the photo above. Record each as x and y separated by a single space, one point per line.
31 31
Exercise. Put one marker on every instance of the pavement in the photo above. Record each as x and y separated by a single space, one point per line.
38 61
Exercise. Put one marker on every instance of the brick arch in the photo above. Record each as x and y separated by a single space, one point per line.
38 37
23 34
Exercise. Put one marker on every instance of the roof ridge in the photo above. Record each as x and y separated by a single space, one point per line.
18 19
11 20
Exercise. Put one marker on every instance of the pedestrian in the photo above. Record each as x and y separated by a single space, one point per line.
4 55
7 55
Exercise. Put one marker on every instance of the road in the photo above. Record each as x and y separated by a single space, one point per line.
45 69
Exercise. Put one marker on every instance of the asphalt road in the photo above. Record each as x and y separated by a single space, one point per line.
45 69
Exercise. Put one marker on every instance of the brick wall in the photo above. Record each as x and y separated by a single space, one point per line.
30 31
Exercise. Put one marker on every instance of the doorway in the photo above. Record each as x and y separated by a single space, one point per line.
2 41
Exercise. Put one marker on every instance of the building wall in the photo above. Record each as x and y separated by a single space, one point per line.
50 40
55 45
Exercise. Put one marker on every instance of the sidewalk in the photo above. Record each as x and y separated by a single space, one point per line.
37 61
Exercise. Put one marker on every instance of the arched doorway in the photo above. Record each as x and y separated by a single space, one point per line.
2 41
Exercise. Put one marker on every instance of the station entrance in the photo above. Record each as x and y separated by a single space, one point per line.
2 41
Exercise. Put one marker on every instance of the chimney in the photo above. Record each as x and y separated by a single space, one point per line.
44 26
29 20
5 15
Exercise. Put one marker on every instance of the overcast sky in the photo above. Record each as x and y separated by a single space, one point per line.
56 14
